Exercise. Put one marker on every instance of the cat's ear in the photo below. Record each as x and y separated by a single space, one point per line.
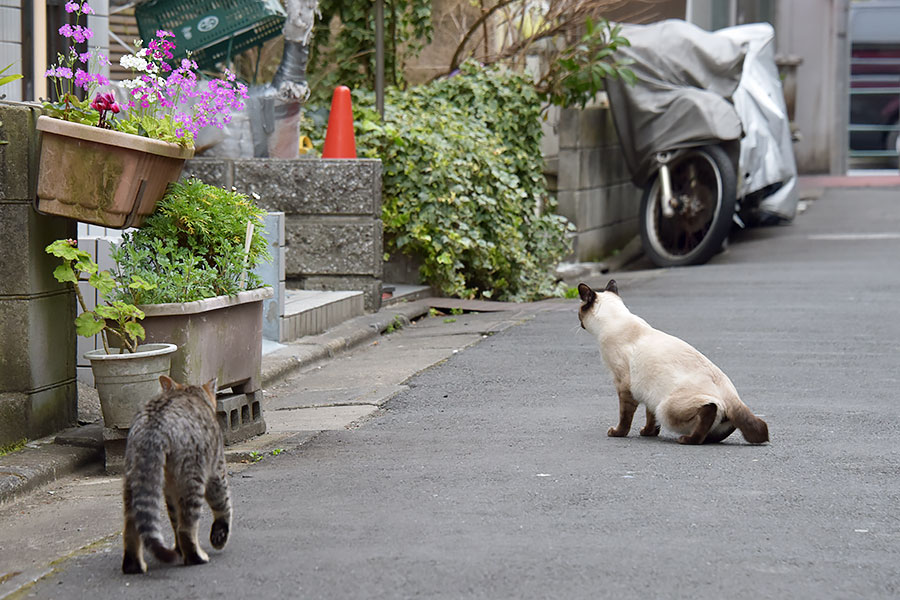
210 386
586 293
612 287
167 383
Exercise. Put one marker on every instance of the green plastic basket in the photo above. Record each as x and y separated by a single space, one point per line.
211 30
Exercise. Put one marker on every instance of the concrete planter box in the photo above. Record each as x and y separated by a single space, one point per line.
217 337
101 176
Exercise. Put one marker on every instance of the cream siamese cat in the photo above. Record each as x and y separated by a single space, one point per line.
678 386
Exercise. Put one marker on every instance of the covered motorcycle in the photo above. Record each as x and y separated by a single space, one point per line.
705 133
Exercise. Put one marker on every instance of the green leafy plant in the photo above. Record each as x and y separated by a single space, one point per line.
13 447
277 451
3 81
463 184
395 325
576 44
8 78
193 246
346 55
256 456
578 73
117 316
571 293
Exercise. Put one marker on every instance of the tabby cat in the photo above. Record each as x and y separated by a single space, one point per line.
175 450
675 383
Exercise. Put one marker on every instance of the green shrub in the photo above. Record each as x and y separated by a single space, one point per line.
192 246
463 184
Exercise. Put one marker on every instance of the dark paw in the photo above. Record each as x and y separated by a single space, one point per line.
650 432
615 432
218 534
132 566
688 439
195 558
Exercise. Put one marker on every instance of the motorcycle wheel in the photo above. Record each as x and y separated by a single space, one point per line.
705 189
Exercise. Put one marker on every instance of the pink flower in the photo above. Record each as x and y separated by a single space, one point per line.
82 78
72 7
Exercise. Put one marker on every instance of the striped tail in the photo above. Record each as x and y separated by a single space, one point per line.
752 427
145 476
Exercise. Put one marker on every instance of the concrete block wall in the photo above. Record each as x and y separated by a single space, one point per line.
38 394
591 182
332 213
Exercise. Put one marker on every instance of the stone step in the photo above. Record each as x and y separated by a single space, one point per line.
393 293
308 312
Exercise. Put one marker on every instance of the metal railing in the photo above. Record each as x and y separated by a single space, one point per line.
886 84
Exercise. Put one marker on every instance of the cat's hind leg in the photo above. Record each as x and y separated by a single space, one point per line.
190 503
172 508
133 558
690 415
219 500
703 422
627 406
651 428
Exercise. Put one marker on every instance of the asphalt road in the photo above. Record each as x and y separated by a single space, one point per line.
491 476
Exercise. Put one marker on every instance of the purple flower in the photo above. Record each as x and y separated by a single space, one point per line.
85 9
64 72
66 30
83 79
72 7
84 57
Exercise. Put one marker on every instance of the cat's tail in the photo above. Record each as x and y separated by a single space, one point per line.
752 427
144 473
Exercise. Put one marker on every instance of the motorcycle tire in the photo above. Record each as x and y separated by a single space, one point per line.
704 186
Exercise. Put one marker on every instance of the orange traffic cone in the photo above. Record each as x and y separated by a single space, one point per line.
339 140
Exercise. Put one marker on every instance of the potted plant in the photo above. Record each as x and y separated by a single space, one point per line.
128 376
197 253
118 157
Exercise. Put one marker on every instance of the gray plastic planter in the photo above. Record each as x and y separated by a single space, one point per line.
125 382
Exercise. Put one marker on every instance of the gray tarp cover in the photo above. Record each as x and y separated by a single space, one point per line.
694 88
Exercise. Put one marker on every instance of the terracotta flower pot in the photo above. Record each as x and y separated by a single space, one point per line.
100 176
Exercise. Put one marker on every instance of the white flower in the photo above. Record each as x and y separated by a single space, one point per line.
132 83
136 63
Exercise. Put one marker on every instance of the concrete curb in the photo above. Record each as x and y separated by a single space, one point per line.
44 461
40 463
296 355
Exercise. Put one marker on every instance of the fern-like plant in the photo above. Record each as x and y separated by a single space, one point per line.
193 246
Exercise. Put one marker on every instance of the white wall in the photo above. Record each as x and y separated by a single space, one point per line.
816 31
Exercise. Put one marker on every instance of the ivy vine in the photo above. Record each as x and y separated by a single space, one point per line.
463 184
346 56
